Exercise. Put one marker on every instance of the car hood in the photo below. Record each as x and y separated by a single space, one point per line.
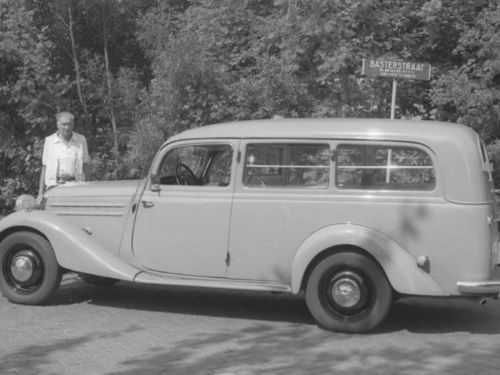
94 189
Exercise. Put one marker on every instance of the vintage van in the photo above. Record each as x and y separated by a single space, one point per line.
353 213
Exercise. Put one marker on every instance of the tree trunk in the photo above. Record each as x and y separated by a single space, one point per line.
109 80
77 69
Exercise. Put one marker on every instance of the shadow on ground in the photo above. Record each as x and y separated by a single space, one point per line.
281 349
278 351
420 336
30 359
417 315
192 301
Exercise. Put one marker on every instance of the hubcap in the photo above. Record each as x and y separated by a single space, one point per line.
22 268
346 292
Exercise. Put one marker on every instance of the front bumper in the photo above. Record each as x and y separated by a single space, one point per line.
489 288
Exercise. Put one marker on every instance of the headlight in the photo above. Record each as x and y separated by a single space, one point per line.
25 202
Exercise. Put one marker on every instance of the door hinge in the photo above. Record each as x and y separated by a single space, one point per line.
228 259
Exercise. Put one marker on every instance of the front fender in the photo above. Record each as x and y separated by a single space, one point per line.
74 249
399 265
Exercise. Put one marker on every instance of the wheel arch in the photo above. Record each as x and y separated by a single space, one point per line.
74 249
21 228
399 266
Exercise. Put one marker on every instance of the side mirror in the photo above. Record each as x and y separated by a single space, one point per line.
155 183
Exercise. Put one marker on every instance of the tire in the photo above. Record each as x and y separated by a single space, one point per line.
30 273
348 292
97 280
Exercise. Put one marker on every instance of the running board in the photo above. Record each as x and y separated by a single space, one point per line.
218 283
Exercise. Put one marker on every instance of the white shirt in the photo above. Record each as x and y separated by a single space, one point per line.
61 158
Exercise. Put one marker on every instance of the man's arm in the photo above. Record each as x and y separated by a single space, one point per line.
85 160
41 189
86 171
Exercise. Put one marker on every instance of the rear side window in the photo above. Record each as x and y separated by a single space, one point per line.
383 167
287 165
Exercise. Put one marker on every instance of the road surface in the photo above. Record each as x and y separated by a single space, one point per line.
130 329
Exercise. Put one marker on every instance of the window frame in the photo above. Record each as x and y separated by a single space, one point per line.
166 149
390 145
287 143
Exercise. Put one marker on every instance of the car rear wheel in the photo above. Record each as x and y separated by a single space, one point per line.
30 273
348 292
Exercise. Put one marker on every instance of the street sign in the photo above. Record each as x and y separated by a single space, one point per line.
394 68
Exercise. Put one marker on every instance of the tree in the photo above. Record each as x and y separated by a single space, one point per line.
469 91
95 42
29 93
138 72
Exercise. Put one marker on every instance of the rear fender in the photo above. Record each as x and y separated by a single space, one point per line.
74 249
398 264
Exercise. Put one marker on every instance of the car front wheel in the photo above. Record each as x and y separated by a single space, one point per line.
30 273
348 292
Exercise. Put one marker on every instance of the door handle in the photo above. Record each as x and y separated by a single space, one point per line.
492 219
147 204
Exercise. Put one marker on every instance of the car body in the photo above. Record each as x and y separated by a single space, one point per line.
352 212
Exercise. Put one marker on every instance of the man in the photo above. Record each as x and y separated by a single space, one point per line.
65 155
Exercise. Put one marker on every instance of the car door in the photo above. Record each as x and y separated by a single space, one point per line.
182 221
280 199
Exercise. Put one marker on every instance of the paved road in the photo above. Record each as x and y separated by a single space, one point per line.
128 329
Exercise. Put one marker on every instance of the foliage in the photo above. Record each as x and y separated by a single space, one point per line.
493 150
144 142
470 92
29 93
177 64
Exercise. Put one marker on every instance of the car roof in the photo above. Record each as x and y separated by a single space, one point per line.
296 128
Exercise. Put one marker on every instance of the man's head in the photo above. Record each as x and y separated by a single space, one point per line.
65 124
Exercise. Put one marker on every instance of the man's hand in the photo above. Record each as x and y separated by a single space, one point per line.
39 200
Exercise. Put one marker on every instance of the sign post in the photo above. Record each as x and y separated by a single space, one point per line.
393 101
394 68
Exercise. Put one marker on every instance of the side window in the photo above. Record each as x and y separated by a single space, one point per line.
219 170
197 165
488 164
383 168
287 165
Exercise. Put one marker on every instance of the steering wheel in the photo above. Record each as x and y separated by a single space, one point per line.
184 175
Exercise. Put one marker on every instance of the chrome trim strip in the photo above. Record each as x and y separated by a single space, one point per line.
87 213
88 205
